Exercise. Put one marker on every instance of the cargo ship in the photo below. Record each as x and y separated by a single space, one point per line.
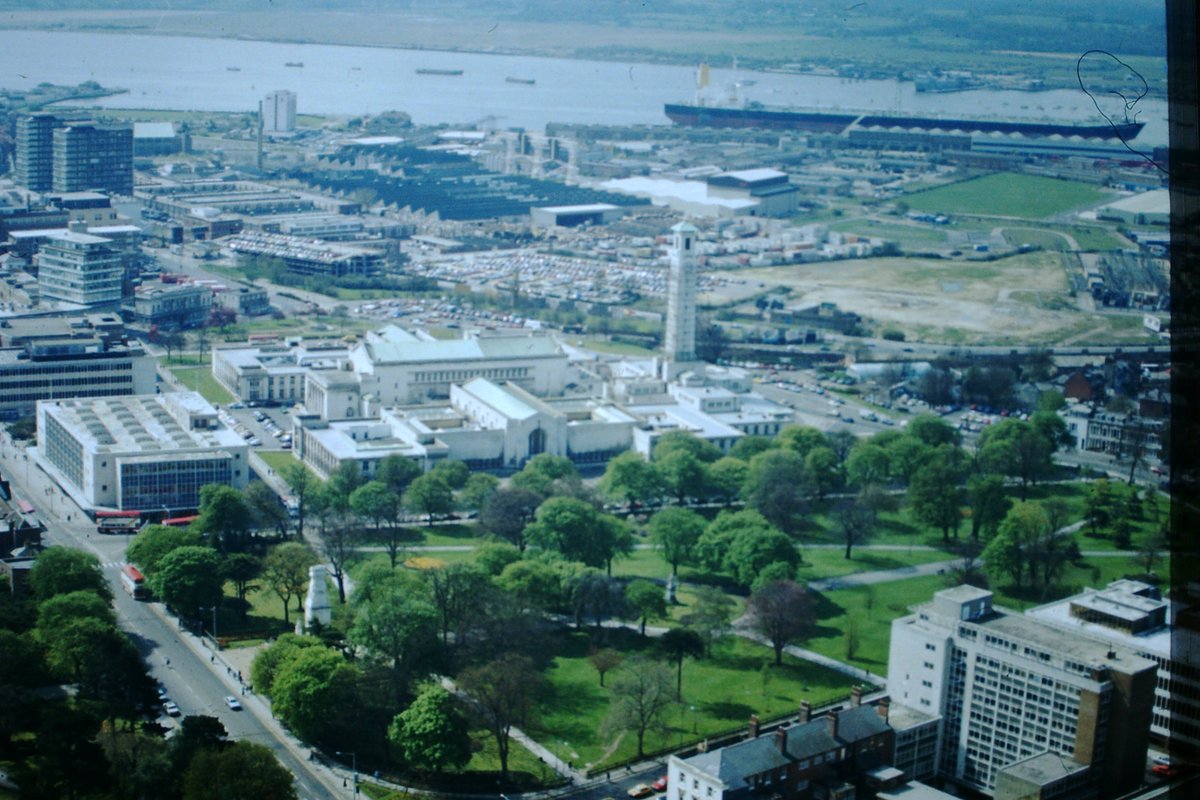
526 81
293 63
754 115
428 71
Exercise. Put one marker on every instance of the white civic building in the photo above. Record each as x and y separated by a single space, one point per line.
146 452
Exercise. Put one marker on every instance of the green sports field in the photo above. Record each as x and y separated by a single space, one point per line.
1007 194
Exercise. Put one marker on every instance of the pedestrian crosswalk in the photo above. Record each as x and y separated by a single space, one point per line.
113 564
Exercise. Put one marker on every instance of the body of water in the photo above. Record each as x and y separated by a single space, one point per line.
163 72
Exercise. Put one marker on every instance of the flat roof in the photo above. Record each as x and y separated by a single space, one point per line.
1155 201
1044 768
588 208
499 398
139 423
913 790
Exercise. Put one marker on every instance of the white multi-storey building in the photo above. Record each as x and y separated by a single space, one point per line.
279 111
1010 688
148 452
76 267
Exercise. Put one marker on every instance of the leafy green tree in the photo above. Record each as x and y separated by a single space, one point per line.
67 762
683 475
285 571
155 541
856 521
1018 449
594 594
629 478
266 510
242 569
57 611
934 495
776 486
800 439
579 532
378 503
726 476
335 533
711 614
1051 400
454 473
1098 505
906 454
397 472
646 601
933 431
989 504
397 627
753 548
429 495
683 441
677 531
268 662
454 591
507 690
548 475
61 570
826 470
677 644
189 578
781 612
433 732
1013 550
344 480
493 557
508 512
641 699
301 482
196 732
310 688
747 447
478 488
224 517
240 771
867 463
535 584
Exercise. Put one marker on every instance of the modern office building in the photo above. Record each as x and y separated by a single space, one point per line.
147 452
1134 615
1010 688
76 267
35 152
82 155
279 111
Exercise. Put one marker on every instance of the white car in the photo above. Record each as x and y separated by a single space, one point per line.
233 703
171 710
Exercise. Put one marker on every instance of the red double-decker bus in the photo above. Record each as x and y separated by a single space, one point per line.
134 582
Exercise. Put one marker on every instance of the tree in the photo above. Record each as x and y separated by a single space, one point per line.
241 569
60 570
269 661
1013 548
594 594
336 536
826 470
535 584
432 732
780 612
936 386
479 487
641 698
224 517
1018 449
934 496
711 614
454 590
302 483
155 541
683 475
604 660
265 508
645 601
397 627
753 548
1150 547
683 441
310 687
989 504
677 531
548 475
507 513
342 483
1098 505
933 431
726 476
454 473
506 690
189 578
378 503
579 532
222 317
676 644
905 454
800 439
429 495
747 447
397 472
286 573
867 463
776 485
856 521
629 478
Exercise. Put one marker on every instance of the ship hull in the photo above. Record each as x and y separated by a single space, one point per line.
834 122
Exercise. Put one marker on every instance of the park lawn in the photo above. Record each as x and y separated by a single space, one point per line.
724 691
1076 493
1035 237
869 610
202 380
1006 194
279 459
907 236
829 562
1094 238
178 359
1095 573
264 618
600 345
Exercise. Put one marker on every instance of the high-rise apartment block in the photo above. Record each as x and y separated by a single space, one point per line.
73 155
76 267
1014 693
279 112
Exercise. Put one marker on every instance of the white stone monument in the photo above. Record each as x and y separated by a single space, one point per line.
316 604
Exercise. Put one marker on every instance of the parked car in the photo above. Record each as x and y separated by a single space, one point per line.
660 785
171 710
641 790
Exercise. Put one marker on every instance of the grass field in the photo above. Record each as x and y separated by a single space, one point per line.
201 379
909 237
1007 194
278 459
724 691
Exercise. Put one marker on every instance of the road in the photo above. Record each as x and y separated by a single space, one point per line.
176 659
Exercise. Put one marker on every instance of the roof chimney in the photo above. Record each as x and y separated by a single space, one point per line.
781 738
805 711
883 706
754 726
831 723
856 697
77 226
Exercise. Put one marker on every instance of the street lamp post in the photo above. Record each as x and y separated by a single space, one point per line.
353 766
213 609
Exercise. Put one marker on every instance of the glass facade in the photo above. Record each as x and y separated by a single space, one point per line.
170 484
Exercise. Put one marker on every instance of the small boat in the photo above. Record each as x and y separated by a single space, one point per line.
293 63
428 71
525 81
234 69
